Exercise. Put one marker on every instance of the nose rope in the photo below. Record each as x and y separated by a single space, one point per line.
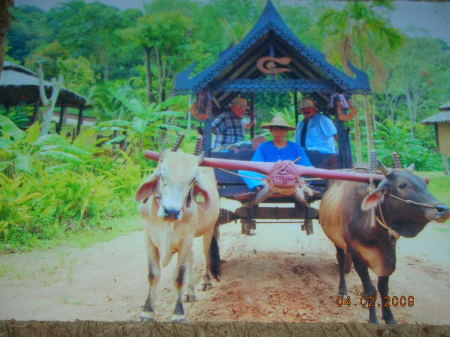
410 202
382 222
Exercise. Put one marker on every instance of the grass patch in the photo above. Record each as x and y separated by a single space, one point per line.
70 300
105 231
5 269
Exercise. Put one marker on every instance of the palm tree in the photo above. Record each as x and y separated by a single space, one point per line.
358 33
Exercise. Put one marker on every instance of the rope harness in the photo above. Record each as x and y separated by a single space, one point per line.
382 222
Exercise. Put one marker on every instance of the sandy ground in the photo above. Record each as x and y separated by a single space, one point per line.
279 274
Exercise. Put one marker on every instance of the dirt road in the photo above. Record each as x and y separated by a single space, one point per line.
278 274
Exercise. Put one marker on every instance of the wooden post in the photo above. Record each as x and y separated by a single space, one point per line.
445 163
61 117
35 116
80 120
252 107
207 144
296 108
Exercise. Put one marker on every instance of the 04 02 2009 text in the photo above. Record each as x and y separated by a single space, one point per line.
371 301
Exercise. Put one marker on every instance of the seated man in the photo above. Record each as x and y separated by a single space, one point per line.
277 149
228 126
316 132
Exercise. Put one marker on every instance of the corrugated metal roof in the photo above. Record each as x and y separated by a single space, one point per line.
441 117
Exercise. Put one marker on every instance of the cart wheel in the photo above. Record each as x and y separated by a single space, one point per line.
247 225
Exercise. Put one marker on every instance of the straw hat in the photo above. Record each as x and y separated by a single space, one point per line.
241 101
279 121
307 103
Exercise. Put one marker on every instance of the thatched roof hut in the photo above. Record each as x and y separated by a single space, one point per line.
441 122
19 85
441 117
445 107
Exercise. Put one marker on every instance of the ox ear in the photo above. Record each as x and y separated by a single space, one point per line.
147 189
199 190
373 199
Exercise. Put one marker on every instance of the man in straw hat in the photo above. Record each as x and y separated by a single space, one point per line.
277 149
316 132
228 126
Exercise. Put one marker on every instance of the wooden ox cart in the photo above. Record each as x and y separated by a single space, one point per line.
271 59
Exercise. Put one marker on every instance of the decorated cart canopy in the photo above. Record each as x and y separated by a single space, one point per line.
271 59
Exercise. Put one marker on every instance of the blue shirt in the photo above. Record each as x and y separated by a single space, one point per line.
268 152
228 129
320 133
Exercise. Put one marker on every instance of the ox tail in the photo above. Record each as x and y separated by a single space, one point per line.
348 262
214 258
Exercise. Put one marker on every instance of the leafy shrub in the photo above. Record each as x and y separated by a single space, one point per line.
395 137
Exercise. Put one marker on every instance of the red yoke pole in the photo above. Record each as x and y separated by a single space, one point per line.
264 168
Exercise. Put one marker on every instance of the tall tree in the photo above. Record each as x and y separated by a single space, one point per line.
420 75
4 25
166 40
358 33
89 30
29 30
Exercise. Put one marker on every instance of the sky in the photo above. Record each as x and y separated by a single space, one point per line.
427 18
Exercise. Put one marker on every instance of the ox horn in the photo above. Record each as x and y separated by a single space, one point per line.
373 161
200 157
385 170
397 163
178 142
198 145
411 167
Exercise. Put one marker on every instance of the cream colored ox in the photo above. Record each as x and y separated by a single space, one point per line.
173 215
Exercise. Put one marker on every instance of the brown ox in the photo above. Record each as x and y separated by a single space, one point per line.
364 226
173 216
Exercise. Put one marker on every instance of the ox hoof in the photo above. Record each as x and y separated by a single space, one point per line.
189 298
178 319
390 321
206 286
146 316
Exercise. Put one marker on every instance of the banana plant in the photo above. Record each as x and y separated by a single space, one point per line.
144 123
22 151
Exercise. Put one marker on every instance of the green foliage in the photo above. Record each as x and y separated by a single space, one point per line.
24 151
18 115
359 33
77 72
28 31
49 187
395 137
